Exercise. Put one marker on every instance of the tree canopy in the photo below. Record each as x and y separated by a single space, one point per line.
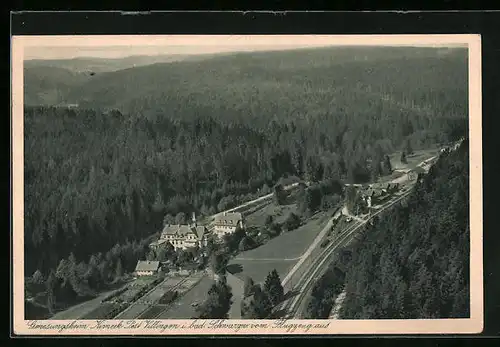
413 262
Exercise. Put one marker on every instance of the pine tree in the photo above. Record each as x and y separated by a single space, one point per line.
168 219
51 284
403 158
119 270
248 286
262 305
218 302
387 165
273 288
409 148
180 218
37 277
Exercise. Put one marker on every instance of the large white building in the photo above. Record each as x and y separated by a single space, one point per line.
183 236
227 223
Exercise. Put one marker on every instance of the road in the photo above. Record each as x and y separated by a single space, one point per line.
251 202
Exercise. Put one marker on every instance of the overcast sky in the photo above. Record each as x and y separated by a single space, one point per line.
67 47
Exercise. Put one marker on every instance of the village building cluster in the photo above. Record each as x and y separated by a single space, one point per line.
375 193
186 236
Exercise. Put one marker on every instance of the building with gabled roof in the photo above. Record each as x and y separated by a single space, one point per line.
147 267
413 174
227 223
183 236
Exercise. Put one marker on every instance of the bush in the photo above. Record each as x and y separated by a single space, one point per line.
292 222
168 297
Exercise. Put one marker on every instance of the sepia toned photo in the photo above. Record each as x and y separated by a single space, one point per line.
264 184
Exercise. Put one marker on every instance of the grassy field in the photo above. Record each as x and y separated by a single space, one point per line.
280 253
291 244
280 213
258 269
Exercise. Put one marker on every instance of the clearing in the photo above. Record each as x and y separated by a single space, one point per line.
280 253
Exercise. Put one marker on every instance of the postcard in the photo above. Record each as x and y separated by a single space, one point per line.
246 185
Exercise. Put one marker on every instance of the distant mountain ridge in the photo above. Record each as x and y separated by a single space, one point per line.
48 82
240 84
100 65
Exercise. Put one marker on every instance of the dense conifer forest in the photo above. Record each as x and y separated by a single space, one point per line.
414 261
202 136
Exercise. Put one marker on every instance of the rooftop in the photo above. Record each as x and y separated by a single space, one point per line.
229 219
419 169
147 265
183 230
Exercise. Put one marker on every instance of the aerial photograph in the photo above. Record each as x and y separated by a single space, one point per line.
278 181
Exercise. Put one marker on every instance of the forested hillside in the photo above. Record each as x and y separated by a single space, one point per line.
49 82
204 135
321 88
414 261
49 85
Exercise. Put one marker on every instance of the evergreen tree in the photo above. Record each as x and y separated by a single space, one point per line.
387 165
51 285
119 270
180 218
279 194
218 263
408 148
403 158
218 303
151 255
37 277
248 285
269 220
168 219
273 288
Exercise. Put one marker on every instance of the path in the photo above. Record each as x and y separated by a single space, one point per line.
80 310
268 196
237 289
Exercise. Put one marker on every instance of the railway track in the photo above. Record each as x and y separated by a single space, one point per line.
141 301
165 306
306 282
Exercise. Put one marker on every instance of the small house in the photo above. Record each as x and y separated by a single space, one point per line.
227 223
413 174
147 268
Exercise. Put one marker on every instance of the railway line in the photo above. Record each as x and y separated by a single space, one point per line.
149 304
293 305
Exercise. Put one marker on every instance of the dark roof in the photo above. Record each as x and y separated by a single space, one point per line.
419 170
147 265
200 230
157 242
183 230
380 186
228 219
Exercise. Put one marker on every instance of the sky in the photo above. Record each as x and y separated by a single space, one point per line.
121 52
67 47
